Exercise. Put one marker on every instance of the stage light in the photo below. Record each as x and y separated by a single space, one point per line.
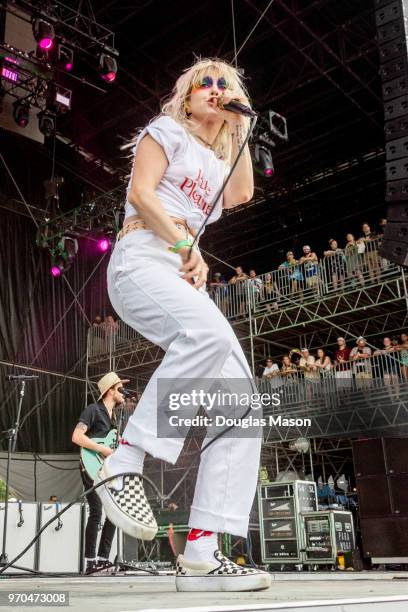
263 162
63 255
46 123
65 57
108 67
21 113
103 244
44 34
55 271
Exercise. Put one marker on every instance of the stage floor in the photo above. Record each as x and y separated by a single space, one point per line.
357 592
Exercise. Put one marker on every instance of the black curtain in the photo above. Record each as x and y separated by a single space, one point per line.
42 326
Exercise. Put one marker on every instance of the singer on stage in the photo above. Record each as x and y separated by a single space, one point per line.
156 284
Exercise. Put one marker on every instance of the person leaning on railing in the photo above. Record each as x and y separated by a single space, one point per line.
323 364
307 364
335 263
292 277
372 260
219 291
270 292
360 355
238 280
354 260
255 286
309 262
343 370
389 364
402 349
271 373
288 370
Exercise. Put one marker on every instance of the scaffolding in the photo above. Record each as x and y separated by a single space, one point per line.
338 409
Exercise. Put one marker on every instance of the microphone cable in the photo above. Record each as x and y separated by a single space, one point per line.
222 188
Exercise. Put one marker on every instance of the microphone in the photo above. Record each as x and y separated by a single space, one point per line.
236 107
20 377
125 392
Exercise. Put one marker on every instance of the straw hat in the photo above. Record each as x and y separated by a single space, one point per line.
107 382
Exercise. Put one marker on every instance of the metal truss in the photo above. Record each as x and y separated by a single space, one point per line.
326 457
369 311
97 215
326 309
134 360
103 212
376 409
21 208
253 227
75 21
369 327
354 42
294 40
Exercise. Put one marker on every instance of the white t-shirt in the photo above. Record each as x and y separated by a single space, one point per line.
193 177
274 368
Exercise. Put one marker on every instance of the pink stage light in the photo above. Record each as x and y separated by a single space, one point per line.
109 77
55 271
268 172
103 244
46 44
68 66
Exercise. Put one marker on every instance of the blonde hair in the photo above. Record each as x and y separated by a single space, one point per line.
175 105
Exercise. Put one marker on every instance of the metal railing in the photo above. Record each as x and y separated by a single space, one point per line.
295 385
357 266
105 339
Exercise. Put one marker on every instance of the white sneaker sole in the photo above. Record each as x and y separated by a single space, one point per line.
129 525
213 583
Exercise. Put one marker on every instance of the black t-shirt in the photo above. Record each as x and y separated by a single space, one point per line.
96 417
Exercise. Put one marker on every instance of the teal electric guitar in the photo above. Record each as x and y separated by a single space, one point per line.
92 460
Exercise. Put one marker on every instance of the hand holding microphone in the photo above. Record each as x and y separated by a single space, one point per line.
234 105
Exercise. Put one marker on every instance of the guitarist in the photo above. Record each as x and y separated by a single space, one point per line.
96 421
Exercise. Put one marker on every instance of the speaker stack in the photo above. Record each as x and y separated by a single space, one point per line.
381 468
392 29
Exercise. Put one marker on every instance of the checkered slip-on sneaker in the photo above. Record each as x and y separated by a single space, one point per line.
98 567
125 504
220 574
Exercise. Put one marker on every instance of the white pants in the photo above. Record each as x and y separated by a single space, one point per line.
146 290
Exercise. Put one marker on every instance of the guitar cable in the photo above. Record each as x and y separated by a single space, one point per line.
160 496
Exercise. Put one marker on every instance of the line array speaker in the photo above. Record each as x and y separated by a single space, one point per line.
392 23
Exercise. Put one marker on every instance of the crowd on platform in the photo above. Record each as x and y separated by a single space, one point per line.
389 360
358 260
106 324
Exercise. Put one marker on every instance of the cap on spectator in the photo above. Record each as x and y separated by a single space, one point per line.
304 349
360 338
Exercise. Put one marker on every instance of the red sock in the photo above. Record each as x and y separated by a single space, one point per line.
194 534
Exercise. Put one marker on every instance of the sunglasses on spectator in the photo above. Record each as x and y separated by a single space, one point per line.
207 82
